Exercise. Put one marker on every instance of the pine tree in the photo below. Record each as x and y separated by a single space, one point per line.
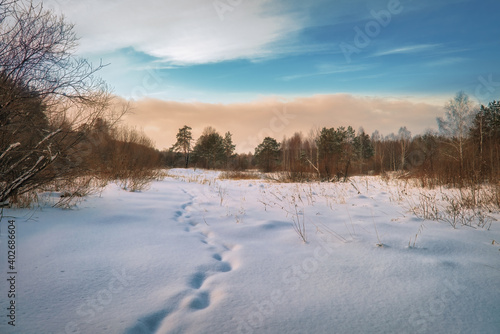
228 146
485 133
363 148
328 149
183 144
209 148
267 154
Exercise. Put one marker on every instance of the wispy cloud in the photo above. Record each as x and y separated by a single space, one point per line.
446 61
407 49
326 69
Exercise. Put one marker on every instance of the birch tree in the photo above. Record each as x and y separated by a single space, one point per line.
404 137
457 122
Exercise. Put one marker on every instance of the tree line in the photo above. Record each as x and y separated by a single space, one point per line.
465 150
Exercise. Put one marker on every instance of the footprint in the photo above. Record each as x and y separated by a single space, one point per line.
230 247
217 267
207 234
224 267
200 302
197 279
148 324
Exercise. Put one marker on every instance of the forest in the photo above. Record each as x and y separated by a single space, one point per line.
61 130
464 152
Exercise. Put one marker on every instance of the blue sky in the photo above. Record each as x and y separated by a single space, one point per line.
292 48
240 51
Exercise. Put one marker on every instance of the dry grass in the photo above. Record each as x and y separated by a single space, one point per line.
237 175
466 206
299 220
139 179
61 193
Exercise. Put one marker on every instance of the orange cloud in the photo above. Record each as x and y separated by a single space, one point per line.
251 122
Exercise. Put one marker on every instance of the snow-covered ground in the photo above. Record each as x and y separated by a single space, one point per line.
196 254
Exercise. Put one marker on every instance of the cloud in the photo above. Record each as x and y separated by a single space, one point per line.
326 69
446 61
251 122
407 49
181 32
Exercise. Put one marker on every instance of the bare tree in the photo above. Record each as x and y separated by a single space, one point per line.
377 140
457 123
47 97
404 137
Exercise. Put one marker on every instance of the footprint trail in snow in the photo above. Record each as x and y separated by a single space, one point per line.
198 294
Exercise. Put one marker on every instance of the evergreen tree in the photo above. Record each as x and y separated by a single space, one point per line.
183 144
229 147
209 148
328 149
485 134
336 151
363 148
489 118
347 139
267 154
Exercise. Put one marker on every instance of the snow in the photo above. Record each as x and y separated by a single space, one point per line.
196 254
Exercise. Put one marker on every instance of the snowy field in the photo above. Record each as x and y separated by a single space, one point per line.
197 254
